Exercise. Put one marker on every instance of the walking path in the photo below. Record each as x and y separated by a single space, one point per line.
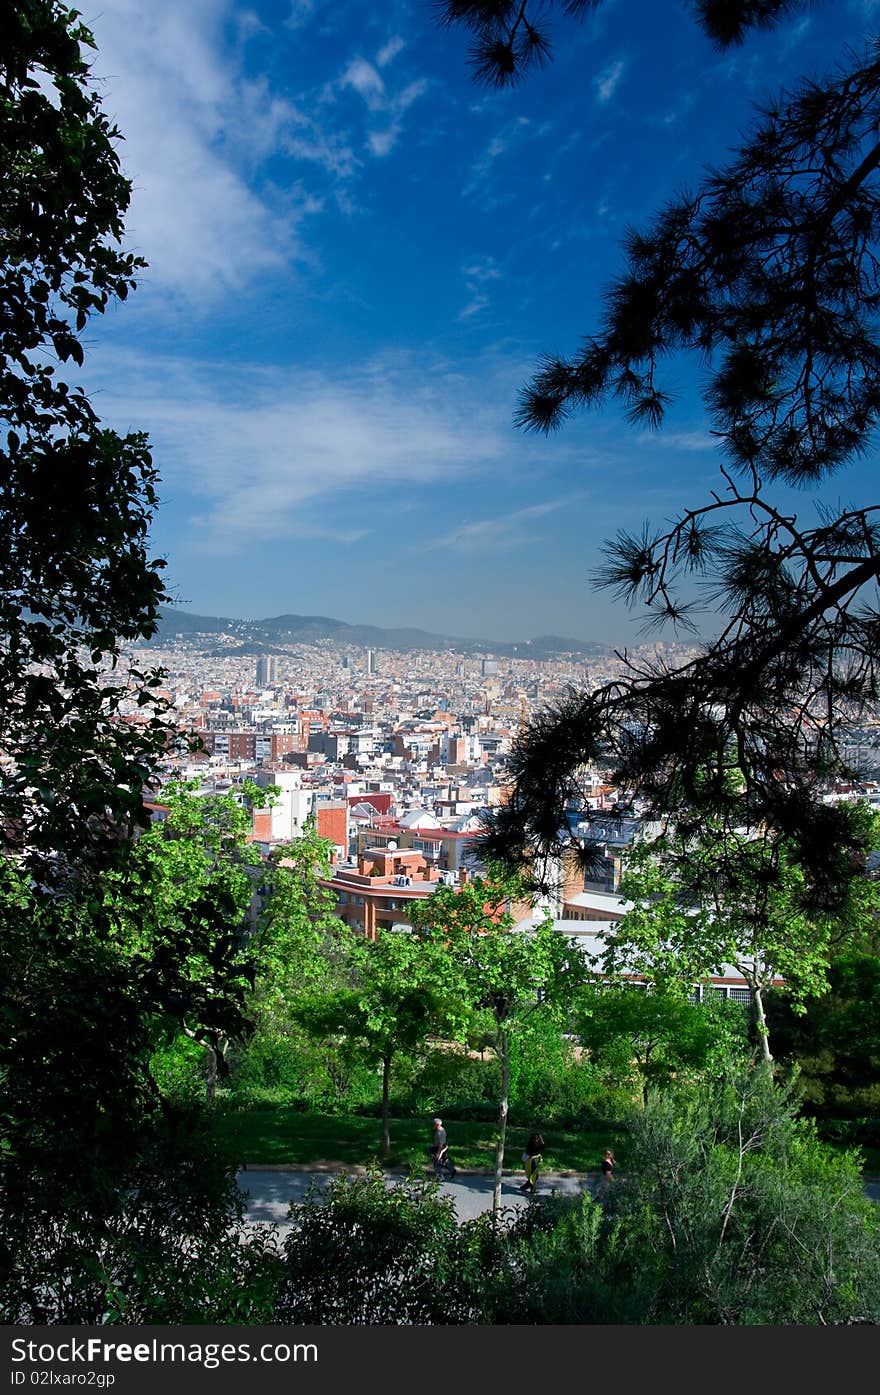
270 1190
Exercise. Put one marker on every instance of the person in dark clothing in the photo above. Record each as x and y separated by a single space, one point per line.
608 1164
532 1162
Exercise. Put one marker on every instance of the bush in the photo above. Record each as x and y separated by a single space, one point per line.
299 1068
734 1213
163 1242
179 1069
551 1081
449 1081
546 1267
731 1213
363 1253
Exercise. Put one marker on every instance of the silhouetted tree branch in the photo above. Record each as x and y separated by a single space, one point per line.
768 273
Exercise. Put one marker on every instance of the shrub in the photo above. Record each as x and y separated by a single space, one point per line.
300 1068
451 1081
363 1253
163 1242
735 1213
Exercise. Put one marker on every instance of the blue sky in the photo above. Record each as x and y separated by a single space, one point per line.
356 257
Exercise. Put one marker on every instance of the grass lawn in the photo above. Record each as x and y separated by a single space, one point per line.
269 1132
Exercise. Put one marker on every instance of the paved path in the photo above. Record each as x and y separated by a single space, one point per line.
271 1190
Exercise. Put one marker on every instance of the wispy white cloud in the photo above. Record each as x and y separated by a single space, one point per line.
390 107
301 11
253 455
684 100
478 275
607 82
500 145
248 23
365 80
388 52
678 440
502 531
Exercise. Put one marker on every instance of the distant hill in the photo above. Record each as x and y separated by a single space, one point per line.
275 633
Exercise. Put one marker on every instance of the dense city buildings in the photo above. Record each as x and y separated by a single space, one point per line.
398 762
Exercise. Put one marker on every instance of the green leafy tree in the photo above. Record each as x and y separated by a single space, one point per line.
652 1038
766 273
184 907
551 1080
241 938
835 1044
300 950
503 977
299 940
400 993
76 500
706 897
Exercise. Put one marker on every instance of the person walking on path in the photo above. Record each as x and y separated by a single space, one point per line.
440 1152
532 1162
608 1164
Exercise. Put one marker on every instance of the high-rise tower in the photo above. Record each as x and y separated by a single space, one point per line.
267 670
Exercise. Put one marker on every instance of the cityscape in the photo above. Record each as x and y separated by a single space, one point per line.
439 682
398 756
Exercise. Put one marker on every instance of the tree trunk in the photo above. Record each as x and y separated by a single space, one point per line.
210 1075
210 1067
645 1078
761 1020
504 1057
386 1090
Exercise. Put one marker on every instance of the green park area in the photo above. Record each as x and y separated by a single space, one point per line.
276 1132
273 1132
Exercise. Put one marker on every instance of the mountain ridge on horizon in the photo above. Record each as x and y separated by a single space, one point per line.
258 636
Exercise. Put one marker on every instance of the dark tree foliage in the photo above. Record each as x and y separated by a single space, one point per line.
768 274
76 580
363 1254
512 36
101 1195
161 1245
836 1047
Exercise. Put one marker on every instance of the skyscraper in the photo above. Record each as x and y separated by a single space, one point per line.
267 670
